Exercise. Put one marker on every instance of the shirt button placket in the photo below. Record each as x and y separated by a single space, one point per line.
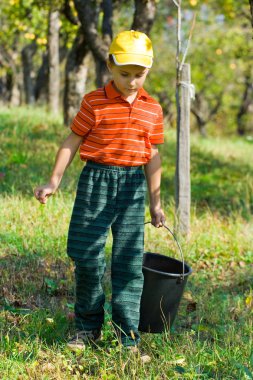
129 114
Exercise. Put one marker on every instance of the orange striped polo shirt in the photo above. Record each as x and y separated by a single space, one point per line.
116 132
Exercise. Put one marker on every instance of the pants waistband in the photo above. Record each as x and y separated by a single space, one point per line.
96 165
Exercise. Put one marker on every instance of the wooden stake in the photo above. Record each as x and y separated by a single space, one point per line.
183 183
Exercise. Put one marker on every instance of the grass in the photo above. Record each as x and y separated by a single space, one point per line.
212 334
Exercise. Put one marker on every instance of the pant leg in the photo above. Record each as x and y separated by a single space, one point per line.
92 215
127 256
90 298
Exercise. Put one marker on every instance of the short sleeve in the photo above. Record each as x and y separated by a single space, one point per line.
157 136
84 119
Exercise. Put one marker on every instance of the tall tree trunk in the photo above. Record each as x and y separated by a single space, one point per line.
102 73
13 80
41 82
251 11
75 76
203 111
54 67
245 103
88 12
15 93
144 15
27 61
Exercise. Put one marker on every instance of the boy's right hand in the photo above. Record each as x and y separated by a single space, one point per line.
42 193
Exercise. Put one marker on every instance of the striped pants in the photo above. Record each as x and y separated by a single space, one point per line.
108 197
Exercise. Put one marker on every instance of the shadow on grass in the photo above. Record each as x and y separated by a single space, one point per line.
29 149
219 184
36 296
222 186
213 303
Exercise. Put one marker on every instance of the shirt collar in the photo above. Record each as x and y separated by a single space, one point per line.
112 92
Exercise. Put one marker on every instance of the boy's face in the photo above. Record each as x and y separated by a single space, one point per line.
128 78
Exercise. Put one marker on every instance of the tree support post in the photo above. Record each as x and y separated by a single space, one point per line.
182 177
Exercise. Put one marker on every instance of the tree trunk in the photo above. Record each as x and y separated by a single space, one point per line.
15 93
102 73
203 112
13 82
41 83
75 77
246 101
54 67
27 61
144 15
201 125
251 11
88 12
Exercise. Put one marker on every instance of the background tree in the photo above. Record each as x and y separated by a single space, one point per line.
54 61
28 75
88 13
220 55
251 11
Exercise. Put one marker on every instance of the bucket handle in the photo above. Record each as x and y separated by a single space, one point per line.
179 247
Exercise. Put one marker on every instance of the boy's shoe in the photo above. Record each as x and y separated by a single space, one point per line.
145 358
82 337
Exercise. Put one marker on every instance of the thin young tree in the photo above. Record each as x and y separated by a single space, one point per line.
184 89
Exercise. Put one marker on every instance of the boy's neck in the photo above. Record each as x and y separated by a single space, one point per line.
130 99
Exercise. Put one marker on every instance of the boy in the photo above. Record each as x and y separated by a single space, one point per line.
117 129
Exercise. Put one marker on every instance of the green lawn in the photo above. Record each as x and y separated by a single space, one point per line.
212 335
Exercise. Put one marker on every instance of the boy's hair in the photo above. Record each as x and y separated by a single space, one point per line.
110 59
131 48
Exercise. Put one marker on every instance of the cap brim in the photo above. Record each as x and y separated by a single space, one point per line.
132 59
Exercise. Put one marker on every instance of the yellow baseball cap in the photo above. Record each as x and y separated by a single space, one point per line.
132 48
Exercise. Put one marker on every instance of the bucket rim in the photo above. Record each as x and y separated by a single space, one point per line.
187 272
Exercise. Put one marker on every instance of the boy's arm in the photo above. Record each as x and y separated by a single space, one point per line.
153 176
63 159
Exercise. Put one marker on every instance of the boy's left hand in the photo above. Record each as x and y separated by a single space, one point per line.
157 217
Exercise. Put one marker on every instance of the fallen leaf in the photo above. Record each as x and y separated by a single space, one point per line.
50 320
187 296
249 301
132 334
47 367
177 361
192 306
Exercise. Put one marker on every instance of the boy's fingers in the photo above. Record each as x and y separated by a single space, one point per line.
41 195
159 221
156 221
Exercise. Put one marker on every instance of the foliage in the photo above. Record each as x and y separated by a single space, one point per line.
26 21
219 54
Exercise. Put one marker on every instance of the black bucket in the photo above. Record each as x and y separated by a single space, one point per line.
164 282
